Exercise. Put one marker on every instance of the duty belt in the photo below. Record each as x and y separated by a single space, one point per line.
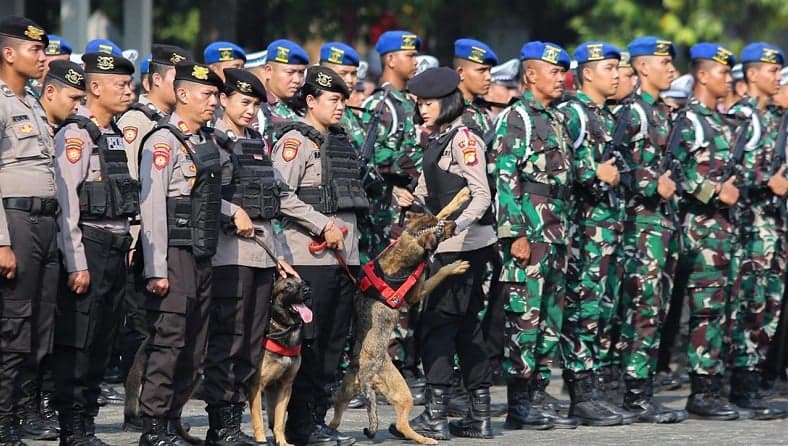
556 191
111 240
34 205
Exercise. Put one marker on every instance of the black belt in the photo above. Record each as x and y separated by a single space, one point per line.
557 191
34 205
120 242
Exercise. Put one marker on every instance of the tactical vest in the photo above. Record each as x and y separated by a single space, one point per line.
443 186
341 189
147 110
115 195
253 185
193 221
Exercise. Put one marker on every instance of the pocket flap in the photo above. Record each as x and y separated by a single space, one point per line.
17 309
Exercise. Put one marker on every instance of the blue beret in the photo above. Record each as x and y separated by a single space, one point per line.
145 64
103 46
475 51
762 52
57 45
545 51
651 46
434 83
287 52
712 51
222 51
594 51
339 53
397 41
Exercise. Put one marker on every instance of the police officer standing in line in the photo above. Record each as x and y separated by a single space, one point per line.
533 226
62 91
97 196
220 55
180 172
57 49
28 230
243 273
313 156
599 225
344 60
284 71
454 159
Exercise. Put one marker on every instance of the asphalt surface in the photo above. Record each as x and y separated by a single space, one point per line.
690 432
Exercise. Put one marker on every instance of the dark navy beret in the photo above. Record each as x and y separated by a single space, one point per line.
68 73
103 63
326 79
434 83
23 28
244 82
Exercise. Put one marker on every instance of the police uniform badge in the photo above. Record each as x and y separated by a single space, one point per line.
225 54
73 77
408 42
105 63
200 73
551 54
34 33
662 48
477 54
282 54
161 155
130 134
176 58
336 55
74 149
243 87
323 79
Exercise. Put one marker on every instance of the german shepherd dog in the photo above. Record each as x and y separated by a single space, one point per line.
371 368
280 366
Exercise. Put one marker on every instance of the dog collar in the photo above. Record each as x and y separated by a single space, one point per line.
371 280
275 347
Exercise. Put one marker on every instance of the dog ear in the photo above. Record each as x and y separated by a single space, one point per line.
429 241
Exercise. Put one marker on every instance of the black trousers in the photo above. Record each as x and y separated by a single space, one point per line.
239 317
450 324
27 304
178 323
324 339
88 323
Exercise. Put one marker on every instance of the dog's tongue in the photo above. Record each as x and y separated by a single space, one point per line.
305 312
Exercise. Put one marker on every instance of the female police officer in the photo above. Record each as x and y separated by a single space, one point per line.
453 159
318 162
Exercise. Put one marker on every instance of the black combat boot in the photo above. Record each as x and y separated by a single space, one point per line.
89 424
47 412
519 414
477 423
32 426
745 393
8 434
639 399
585 407
300 427
154 433
238 417
705 401
319 410
541 405
606 393
72 430
433 422
222 430
610 385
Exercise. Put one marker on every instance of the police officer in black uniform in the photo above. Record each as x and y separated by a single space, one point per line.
28 244
97 197
180 174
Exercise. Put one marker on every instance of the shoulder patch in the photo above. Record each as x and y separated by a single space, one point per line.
74 149
130 134
290 148
6 91
469 156
161 155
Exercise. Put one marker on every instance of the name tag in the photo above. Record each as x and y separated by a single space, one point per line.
115 143
20 118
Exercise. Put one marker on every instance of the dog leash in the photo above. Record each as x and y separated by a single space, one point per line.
318 246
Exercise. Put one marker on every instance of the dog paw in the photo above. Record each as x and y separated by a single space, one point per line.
426 440
459 267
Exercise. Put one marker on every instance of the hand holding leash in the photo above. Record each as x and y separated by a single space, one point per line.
333 237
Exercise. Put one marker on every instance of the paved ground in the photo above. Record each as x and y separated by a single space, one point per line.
694 432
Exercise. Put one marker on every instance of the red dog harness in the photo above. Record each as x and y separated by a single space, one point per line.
373 285
275 347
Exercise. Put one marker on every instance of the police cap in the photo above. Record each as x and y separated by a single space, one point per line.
244 82
197 73
23 28
326 79
68 73
434 83
168 55
103 63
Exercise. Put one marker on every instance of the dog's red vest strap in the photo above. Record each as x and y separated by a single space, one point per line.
392 298
275 347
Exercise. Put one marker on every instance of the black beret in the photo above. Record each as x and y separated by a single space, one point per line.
169 54
198 73
326 79
23 28
103 63
68 73
244 82
434 83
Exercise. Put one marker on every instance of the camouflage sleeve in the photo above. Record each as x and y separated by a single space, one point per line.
395 154
510 149
695 161
584 159
751 176
354 130
384 149
645 170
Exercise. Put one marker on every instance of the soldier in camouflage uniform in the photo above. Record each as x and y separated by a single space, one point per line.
344 60
284 73
705 151
650 242
599 224
473 61
533 174
757 304
395 162
221 54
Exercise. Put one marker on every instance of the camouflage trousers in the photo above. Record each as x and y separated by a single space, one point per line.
650 259
756 309
591 261
709 253
534 312
610 317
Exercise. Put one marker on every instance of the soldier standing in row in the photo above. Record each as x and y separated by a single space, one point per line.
62 91
284 72
534 172
344 60
220 55
97 196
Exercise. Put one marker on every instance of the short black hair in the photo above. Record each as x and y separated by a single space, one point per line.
698 65
49 80
156 68
579 73
452 106
746 67
8 41
298 101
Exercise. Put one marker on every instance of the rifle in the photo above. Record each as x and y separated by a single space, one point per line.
669 162
371 179
734 166
613 150
779 161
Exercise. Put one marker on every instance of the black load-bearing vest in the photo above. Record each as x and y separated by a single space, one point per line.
115 195
253 185
147 110
193 221
341 189
443 186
